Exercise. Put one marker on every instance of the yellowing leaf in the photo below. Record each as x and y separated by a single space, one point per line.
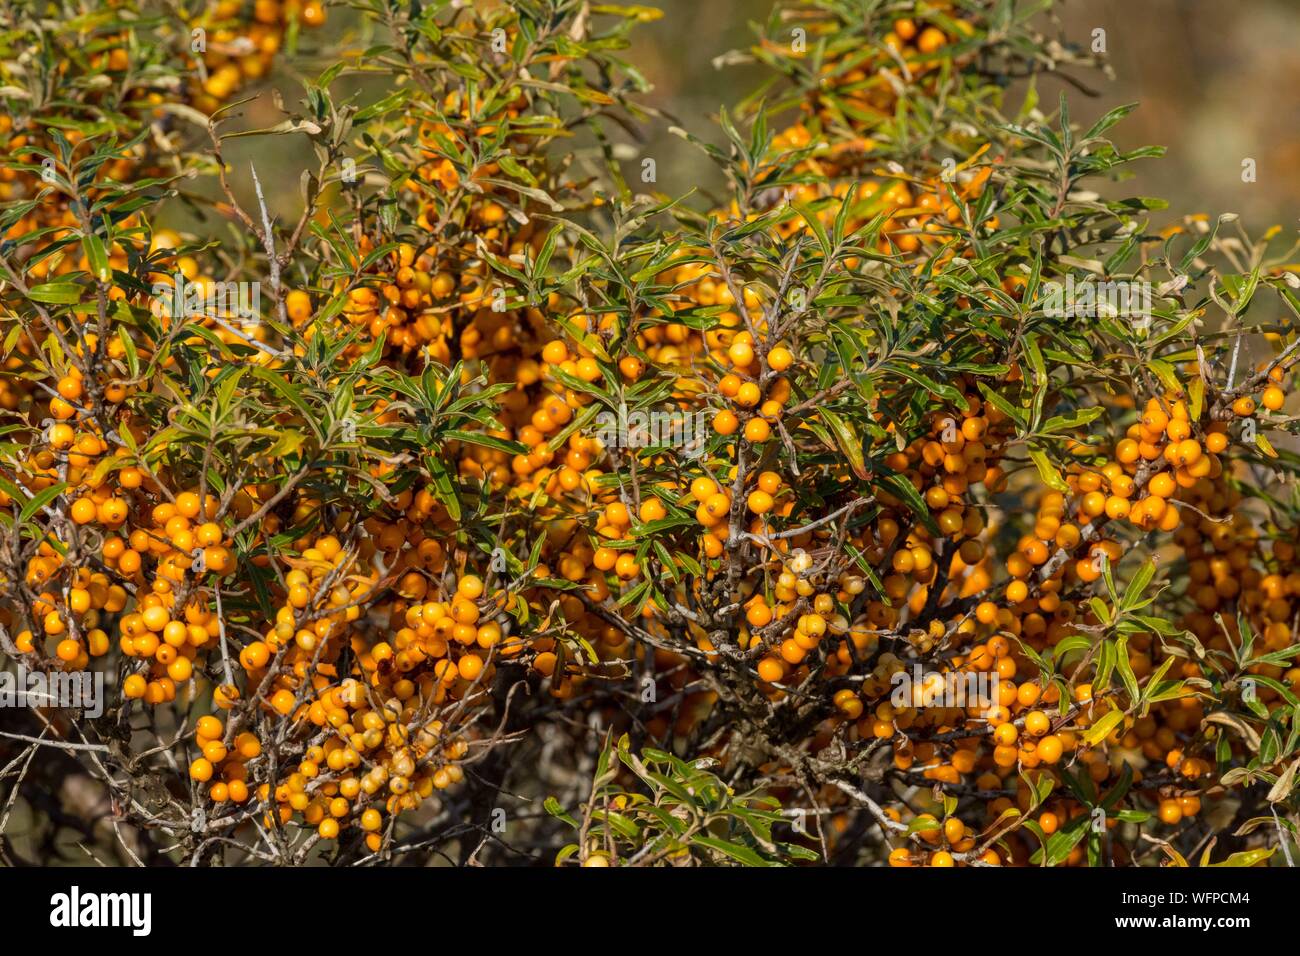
1102 728
1247 857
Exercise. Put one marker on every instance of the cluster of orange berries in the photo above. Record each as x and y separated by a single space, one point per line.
947 467
926 40
91 599
227 761
107 502
951 837
868 86
161 547
1025 724
380 711
418 297
75 447
406 306
741 387
364 692
1222 554
233 53
1028 733
787 647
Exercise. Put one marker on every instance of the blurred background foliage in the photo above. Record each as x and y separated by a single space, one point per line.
1217 81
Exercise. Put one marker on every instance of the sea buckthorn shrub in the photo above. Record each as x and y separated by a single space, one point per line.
914 498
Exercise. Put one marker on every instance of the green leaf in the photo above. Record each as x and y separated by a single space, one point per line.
848 442
1069 645
444 487
40 500
1047 471
97 257
904 489
741 854
1102 728
1125 667
487 441
129 350
1100 609
1060 843
1071 421
56 293
553 807
1109 120
814 222
1137 585
946 392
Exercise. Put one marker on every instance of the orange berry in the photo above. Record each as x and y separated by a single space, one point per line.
1050 749
748 395
741 354
931 40
1037 723
779 359
1170 812
702 488
626 566
631 367
83 511
652 509
725 422
470 666
771 670
1162 485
